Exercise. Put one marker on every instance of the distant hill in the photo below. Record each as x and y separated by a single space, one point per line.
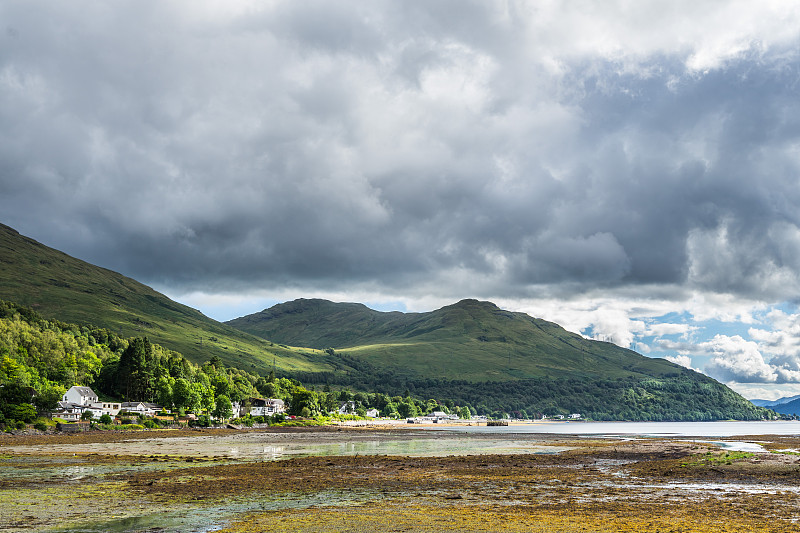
774 403
59 286
787 408
469 340
498 361
761 403
788 405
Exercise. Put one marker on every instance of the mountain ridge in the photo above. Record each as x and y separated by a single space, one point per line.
791 407
774 403
510 345
498 361
60 286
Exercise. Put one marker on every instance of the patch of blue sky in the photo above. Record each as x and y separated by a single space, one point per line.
395 305
708 329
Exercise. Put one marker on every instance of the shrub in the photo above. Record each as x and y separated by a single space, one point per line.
41 426
24 411
128 426
105 418
201 422
20 424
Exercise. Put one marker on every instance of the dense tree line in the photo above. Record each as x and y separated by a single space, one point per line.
682 396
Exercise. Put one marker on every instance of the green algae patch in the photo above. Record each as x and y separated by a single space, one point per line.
411 515
52 505
715 459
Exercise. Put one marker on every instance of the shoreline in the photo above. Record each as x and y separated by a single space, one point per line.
33 437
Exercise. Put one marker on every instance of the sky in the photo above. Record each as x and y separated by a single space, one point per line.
630 170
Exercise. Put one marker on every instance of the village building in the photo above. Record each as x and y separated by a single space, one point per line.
438 416
266 406
140 408
110 408
71 412
347 408
373 413
78 399
80 395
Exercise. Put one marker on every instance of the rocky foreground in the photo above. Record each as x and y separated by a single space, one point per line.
598 485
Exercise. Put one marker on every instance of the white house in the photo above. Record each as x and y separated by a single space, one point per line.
347 408
79 399
80 395
140 408
438 416
110 408
373 413
266 406
71 412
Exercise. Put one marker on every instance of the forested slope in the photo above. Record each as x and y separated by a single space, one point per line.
62 287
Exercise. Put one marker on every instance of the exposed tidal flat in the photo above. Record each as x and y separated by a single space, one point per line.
404 479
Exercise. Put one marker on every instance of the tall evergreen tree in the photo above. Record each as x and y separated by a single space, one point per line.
136 373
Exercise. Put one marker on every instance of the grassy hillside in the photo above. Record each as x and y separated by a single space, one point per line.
470 340
475 354
57 285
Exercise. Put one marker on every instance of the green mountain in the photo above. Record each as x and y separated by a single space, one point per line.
469 340
476 354
59 286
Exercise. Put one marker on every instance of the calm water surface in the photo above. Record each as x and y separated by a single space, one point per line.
267 446
642 429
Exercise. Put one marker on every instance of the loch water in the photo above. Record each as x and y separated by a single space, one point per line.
638 429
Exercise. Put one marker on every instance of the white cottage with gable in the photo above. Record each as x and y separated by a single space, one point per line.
79 399
80 395
266 406
141 408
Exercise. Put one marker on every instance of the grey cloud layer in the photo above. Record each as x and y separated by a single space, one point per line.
387 143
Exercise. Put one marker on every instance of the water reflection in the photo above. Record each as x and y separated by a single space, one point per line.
644 429
261 446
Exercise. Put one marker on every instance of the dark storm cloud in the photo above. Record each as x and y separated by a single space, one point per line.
321 144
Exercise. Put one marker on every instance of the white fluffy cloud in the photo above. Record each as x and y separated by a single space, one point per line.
683 360
783 339
737 359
